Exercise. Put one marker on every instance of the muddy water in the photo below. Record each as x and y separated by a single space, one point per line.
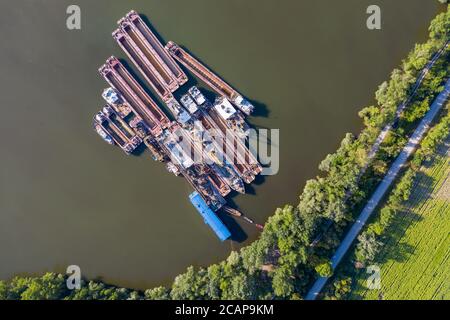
66 197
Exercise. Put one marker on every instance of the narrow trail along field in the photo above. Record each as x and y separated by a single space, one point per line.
415 262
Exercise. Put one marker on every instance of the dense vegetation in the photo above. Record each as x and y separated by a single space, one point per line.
297 240
369 243
415 260
408 237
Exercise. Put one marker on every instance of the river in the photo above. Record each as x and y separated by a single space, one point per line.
67 198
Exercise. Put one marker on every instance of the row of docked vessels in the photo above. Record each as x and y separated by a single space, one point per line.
197 144
114 130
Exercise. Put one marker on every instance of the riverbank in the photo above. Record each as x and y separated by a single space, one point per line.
368 243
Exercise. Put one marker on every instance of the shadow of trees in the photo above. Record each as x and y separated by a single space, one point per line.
404 218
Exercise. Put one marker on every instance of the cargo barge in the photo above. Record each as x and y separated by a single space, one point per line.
209 78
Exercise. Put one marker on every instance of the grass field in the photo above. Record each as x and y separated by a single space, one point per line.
415 262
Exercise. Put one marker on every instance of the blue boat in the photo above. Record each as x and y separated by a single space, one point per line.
209 216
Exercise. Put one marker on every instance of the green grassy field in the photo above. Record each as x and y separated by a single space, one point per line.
415 262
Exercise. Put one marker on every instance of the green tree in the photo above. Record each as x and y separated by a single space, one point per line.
3 290
367 247
324 269
283 282
186 286
50 286
440 26
158 293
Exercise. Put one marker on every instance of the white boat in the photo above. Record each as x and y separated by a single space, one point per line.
178 111
189 104
197 95
112 96
173 168
244 105
100 117
224 108
102 133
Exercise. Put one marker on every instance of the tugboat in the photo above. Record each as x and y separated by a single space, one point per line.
238 185
111 96
100 117
234 118
189 104
178 111
244 105
154 148
230 176
128 148
171 167
237 213
102 133
139 127
232 211
195 93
